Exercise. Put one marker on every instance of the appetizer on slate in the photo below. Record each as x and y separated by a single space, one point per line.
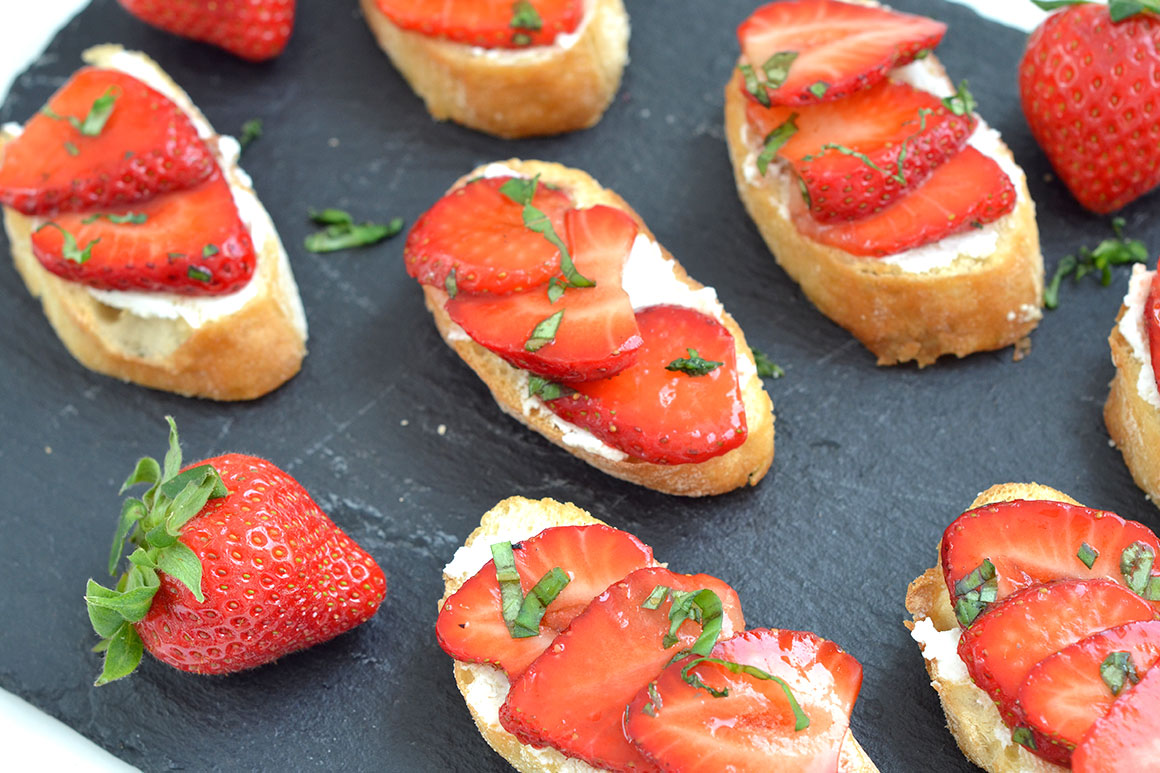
234 566
876 186
1088 85
575 650
513 69
252 29
1039 628
1132 411
133 223
586 330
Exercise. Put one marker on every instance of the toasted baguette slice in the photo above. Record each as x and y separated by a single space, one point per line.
968 305
971 715
514 93
746 464
1133 422
484 688
244 350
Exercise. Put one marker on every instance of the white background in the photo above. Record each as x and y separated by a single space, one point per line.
30 739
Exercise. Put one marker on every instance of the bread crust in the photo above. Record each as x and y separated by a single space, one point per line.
240 356
534 516
971 715
746 464
525 93
1133 424
969 306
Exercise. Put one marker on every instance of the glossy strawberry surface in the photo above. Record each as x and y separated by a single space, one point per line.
252 29
487 23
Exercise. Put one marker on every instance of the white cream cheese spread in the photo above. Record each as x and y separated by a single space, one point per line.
1132 328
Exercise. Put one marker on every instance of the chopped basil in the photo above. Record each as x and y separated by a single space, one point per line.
521 614
753 85
766 368
801 721
962 102
805 193
1136 566
1117 670
69 250
819 89
451 285
776 68
199 274
544 332
525 16
1023 737
543 388
135 218
331 216
1110 252
71 149
922 114
99 114
865 159
342 232
556 289
654 701
1087 554
774 142
251 130
694 364
511 593
656 598
209 250
523 191
975 592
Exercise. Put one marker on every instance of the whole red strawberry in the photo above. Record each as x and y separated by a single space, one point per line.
235 566
253 29
1088 82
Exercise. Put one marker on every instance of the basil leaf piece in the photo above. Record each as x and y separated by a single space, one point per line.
555 289
510 591
135 218
1117 670
865 159
774 142
544 332
766 368
1087 554
753 85
251 130
776 68
69 250
1136 566
543 388
975 592
1023 737
331 216
451 285
1109 253
199 274
99 114
819 89
209 250
525 17
71 149
656 598
345 236
543 593
521 190
694 364
801 721
962 102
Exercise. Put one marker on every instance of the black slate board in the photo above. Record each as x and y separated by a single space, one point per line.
871 463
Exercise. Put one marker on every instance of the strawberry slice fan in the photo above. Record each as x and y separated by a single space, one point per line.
128 195
538 283
1060 610
883 166
625 665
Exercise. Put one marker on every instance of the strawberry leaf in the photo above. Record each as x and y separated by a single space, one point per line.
173 455
131 605
122 655
131 512
146 471
182 564
105 621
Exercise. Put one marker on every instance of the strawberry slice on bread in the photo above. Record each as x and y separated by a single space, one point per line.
256 30
1127 738
104 139
807 51
487 23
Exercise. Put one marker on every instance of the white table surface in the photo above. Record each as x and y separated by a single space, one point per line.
31 739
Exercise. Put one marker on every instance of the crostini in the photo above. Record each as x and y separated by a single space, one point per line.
588 331
521 69
901 214
610 660
1039 627
130 219
1132 411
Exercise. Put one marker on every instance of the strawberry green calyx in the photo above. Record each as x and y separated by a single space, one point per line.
1118 10
153 524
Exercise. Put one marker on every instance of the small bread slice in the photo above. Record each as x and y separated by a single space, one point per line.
971 715
746 464
248 347
514 93
1133 422
484 687
900 315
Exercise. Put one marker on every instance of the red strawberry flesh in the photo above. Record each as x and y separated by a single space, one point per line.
252 29
1011 638
486 23
1032 541
192 242
664 416
1064 695
146 147
684 728
884 123
597 335
969 190
842 46
471 627
1127 738
574 695
480 234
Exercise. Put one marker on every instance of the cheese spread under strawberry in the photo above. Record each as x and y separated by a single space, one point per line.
1132 328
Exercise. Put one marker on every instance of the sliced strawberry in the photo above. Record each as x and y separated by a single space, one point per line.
1152 323
480 233
967 191
884 123
1065 694
841 47
596 337
471 627
1031 541
146 146
573 696
1127 738
191 242
1007 641
256 30
685 728
666 416
487 23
